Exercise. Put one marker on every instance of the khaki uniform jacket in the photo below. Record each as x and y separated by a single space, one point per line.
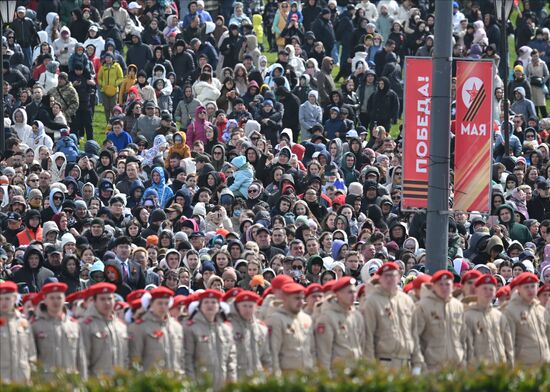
529 329
105 343
439 332
157 343
17 349
59 344
290 340
339 335
210 350
388 325
252 346
488 336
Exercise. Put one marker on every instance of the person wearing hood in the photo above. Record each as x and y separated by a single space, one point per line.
49 78
33 273
324 31
186 108
56 200
109 78
197 128
383 106
231 46
85 86
33 229
325 82
250 48
183 62
80 56
158 183
64 47
517 231
522 105
79 26
242 178
291 106
20 127
120 17
70 273
113 274
37 137
271 121
519 80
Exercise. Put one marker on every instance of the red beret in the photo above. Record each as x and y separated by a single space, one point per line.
161 292
472 274
74 296
28 297
420 279
314 288
119 305
486 279
327 287
442 274
232 293
54 288
101 288
342 283
247 296
136 294
190 298
39 297
293 288
8 287
544 289
408 287
390 266
178 300
361 291
503 291
524 278
135 304
279 281
215 294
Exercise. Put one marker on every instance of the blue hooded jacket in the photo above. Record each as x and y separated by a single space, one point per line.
164 191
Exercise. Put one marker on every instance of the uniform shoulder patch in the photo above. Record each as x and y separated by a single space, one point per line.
228 322
74 320
138 322
190 323
88 320
320 329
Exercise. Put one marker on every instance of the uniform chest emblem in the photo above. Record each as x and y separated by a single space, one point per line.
41 335
290 329
388 312
320 329
523 316
435 316
238 336
205 338
342 326
101 334
158 334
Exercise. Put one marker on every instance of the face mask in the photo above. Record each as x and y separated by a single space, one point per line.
237 213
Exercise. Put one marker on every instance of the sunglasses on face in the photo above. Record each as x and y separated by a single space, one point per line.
57 198
297 267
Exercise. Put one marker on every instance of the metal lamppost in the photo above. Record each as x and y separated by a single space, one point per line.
503 9
7 12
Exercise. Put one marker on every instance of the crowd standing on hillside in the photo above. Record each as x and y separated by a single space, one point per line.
244 215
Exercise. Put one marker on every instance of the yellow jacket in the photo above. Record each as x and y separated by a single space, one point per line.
110 76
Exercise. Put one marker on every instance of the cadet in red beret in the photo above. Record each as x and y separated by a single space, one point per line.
102 330
176 310
52 320
230 295
468 280
503 295
314 294
136 294
250 335
17 348
488 338
438 321
527 321
155 323
331 345
543 294
387 317
209 345
290 351
327 287
274 295
418 282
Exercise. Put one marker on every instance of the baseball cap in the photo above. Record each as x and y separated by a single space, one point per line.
14 216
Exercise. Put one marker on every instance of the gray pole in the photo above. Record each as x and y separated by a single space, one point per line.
438 181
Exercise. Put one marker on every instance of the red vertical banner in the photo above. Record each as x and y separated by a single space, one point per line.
474 97
417 122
